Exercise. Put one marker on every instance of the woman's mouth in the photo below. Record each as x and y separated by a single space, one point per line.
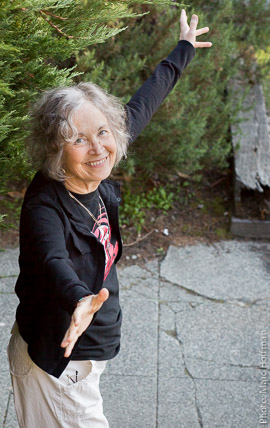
97 163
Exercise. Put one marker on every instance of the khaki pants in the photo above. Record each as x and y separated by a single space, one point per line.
43 401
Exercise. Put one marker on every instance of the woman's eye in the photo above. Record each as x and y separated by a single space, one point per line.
103 132
80 141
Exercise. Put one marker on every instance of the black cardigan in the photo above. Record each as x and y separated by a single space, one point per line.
58 253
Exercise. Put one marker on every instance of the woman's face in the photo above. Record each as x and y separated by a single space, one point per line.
91 156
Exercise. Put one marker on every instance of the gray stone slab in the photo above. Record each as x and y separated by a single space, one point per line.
170 362
153 267
8 305
224 359
228 270
4 398
228 404
222 337
138 354
7 284
140 281
186 403
174 294
176 403
129 401
11 418
9 262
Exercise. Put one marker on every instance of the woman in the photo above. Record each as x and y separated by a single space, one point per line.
68 319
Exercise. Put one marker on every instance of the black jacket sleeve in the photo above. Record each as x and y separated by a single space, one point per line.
43 245
152 93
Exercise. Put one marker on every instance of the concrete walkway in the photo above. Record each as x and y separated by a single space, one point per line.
195 350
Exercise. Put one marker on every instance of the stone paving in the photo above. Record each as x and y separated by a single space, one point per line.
195 349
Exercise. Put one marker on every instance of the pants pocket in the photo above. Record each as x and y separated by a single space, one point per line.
82 399
19 361
75 371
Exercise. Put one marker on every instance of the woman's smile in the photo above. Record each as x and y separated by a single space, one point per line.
97 163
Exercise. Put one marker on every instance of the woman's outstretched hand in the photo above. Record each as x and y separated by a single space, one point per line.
82 317
190 33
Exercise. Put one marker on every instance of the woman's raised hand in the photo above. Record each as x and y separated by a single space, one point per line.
190 33
82 317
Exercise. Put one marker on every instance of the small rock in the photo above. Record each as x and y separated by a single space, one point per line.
165 232
200 206
134 257
127 257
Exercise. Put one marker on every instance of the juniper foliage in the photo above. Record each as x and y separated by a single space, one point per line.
39 41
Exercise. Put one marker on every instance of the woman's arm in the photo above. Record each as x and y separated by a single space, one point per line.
152 93
157 87
42 238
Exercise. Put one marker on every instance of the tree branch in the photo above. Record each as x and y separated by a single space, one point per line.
55 26
139 239
51 14
58 29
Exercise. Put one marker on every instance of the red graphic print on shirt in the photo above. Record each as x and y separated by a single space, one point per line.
103 234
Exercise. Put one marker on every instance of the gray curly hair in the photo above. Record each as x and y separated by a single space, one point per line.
52 125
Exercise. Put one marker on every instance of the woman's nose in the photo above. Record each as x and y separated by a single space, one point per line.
95 146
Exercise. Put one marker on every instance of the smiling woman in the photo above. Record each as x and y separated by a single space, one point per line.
68 321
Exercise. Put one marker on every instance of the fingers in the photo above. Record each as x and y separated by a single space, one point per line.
193 23
190 33
183 17
103 295
69 337
69 340
99 299
203 45
202 31
183 24
69 348
82 317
